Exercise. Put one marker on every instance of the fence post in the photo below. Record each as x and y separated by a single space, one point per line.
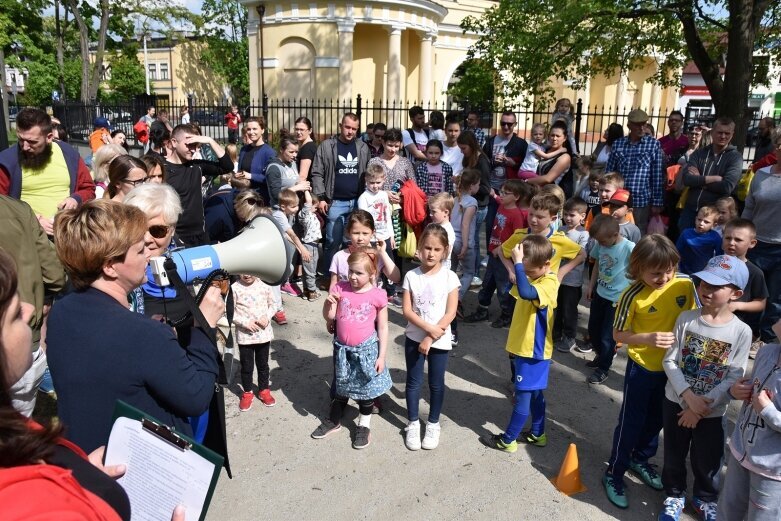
358 107
578 115
688 114
264 108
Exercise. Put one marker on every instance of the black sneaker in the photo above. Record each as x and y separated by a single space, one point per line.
361 437
593 363
597 377
502 321
326 428
479 315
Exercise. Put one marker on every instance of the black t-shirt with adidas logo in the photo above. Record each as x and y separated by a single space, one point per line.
346 180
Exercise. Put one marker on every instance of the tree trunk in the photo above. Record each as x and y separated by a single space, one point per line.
84 47
98 67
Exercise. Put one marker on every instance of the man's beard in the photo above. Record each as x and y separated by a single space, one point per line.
37 161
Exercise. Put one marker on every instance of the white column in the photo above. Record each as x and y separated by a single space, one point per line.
345 29
426 82
254 64
656 99
623 84
394 64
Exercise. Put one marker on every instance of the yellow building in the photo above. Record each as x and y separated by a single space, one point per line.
402 50
175 70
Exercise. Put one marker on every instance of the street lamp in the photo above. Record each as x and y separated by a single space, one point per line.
142 33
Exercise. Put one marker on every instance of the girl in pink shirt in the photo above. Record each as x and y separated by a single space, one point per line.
357 311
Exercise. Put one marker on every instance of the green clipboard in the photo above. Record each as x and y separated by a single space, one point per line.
181 441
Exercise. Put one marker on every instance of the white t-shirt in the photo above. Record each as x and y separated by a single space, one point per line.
380 207
531 161
420 139
453 157
437 133
498 171
428 294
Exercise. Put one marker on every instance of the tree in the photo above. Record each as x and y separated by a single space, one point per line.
227 50
117 19
43 78
127 76
474 84
535 42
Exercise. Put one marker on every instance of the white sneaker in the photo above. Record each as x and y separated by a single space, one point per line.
431 439
476 282
412 439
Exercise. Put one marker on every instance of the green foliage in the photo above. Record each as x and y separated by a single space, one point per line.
127 77
475 84
543 42
227 51
43 79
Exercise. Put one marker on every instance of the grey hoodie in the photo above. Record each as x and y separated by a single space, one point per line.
728 165
756 440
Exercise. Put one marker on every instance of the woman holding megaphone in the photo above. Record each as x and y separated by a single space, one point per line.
100 351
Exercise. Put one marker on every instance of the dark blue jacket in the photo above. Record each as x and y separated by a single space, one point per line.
221 221
100 352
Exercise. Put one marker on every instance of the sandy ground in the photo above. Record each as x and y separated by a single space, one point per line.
282 473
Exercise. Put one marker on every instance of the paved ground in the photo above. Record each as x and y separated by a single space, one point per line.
281 473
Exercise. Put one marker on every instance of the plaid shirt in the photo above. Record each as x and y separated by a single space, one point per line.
641 165
479 135
422 178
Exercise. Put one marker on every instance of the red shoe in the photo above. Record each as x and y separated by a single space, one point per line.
245 404
280 318
265 397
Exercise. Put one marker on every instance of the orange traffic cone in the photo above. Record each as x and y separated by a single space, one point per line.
568 480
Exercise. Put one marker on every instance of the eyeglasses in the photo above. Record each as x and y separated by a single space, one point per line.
135 182
159 231
504 192
507 124
300 129
379 136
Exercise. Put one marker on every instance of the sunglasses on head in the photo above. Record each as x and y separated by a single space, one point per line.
158 231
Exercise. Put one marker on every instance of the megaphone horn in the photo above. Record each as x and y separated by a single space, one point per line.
261 249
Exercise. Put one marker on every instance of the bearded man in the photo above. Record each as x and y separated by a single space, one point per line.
48 175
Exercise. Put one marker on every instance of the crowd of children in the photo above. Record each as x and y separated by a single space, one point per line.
686 313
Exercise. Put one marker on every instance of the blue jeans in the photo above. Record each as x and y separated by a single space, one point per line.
437 364
479 219
640 420
600 330
496 279
767 257
334 228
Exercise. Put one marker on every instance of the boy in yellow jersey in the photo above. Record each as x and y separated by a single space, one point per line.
645 317
543 208
530 342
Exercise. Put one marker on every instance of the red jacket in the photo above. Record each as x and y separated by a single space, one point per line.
413 206
768 160
233 120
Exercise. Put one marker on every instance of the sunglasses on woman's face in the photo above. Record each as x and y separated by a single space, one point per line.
159 231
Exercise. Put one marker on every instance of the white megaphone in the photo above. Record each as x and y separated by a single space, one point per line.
261 249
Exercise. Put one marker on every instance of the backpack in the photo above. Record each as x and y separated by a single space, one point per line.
411 133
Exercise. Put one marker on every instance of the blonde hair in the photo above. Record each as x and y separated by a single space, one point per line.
554 189
548 202
709 210
443 201
287 197
233 152
436 231
366 256
537 249
728 204
102 158
612 178
247 205
374 171
99 231
652 252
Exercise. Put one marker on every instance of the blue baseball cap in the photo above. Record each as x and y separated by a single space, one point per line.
102 123
723 270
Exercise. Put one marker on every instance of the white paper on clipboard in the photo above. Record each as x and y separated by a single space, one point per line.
159 475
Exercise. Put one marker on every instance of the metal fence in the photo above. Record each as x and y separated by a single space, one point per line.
588 122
